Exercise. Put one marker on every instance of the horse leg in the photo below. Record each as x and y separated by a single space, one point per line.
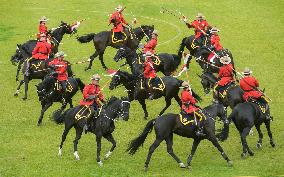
18 88
260 135
246 149
18 70
65 133
92 57
44 108
178 100
110 138
215 142
267 125
193 149
168 103
70 103
151 150
101 57
79 131
143 104
26 80
169 141
99 139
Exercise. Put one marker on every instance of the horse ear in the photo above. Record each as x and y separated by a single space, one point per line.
36 86
198 75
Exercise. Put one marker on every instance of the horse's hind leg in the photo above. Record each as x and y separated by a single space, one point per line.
79 131
267 124
151 150
65 133
193 149
101 57
99 139
18 70
143 104
44 108
260 135
168 103
246 149
92 57
215 142
18 88
110 138
169 141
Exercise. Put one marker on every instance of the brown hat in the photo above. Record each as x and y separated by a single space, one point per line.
96 77
214 30
43 19
225 60
185 84
247 71
200 16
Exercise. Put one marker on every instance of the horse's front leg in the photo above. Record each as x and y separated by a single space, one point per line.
18 88
99 139
79 131
92 57
26 80
102 61
110 138
18 70
143 104
45 106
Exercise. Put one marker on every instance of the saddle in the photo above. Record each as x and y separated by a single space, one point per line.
58 86
155 83
222 91
84 112
261 105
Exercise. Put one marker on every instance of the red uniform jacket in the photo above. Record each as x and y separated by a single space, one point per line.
118 21
149 70
42 29
188 99
225 75
150 46
41 50
198 25
215 41
60 68
91 89
248 84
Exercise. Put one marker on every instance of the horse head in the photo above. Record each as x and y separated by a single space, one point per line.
121 53
143 30
208 81
67 28
115 81
17 57
124 108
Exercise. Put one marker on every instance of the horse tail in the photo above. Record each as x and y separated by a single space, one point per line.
137 142
86 38
181 47
58 117
80 83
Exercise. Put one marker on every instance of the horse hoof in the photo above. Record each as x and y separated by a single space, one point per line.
100 163
38 124
16 94
76 155
59 152
108 155
230 163
145 169
87 68
189 168
272 144
258 145
243 155
181 165
24 98
251 153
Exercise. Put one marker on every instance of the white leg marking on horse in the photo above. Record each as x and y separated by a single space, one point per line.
76 155
60 152
251 132
181 165
100 163
108 154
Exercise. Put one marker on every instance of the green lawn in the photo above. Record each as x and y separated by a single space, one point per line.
252 30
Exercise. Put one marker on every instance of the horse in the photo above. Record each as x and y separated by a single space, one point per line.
234 94
38 70
24 51
195 50
245 116
166 125
166 63
49 91
101 126
104 39
132 85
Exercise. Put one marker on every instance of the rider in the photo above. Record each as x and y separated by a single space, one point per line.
250 86
60 68
149 73
189 106
42 26
152 43
225 75
41 51
200 25
118 22
215 44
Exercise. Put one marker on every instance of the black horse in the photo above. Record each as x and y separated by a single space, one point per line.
170 123
132 85
166 63
234 94
103 39
196 50
245 116
101 126
49 91
24 51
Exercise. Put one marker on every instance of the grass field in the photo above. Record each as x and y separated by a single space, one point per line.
252 30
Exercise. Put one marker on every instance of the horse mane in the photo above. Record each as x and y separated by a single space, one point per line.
210 77
111 100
